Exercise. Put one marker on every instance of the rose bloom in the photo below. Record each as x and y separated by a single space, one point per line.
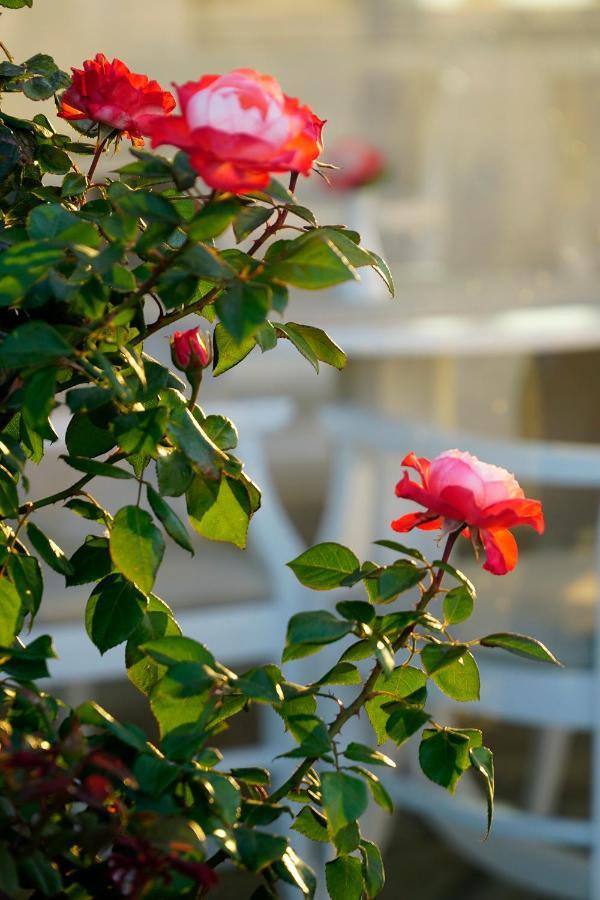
457 488
107 92
190 350
238 128
360 163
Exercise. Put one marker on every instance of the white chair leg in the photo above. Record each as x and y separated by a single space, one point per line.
547 770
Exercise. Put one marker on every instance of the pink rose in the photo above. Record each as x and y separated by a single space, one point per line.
238 128
190 350
108 92
457 488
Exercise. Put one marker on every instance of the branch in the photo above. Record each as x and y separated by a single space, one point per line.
277 224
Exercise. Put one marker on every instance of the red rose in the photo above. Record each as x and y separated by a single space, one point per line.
360 163
107 92
238 128
190 350
456 488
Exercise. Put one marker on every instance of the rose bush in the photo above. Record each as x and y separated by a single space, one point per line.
89 270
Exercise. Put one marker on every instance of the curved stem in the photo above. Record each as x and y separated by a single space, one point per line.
277 224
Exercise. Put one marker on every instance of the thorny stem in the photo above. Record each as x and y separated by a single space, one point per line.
72 490
96 158
354 708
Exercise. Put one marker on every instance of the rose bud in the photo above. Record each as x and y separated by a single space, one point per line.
458 489
360 164
109 93
191 351
238 128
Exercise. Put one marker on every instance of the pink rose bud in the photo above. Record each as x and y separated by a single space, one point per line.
191 351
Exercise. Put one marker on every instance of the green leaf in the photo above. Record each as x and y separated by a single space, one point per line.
172 649
32 344
294 871
136 546
314 344
444 756
383 270
243 307
222 431
459 679
50 552
84 438
213 219
41 873
171 521
457 574
257 849
91 562
9 499
318 627
95 467
26 575
356 611
189 436
142 670
396 579
174 473
378 792
372 869
9 878
312 824
521 645
482 760
458 605
341 673
401 548
252 775
89 509
228 352
73 185
149 206
324 566
249 218
20 267
344 878
436 657
90 713
10 608
400 685
361 753
404 722
310 261
219 511
344 799
311 734
114 610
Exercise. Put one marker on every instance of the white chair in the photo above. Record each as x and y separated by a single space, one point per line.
235 602
531 846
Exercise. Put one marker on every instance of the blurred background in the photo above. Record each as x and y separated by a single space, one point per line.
486 115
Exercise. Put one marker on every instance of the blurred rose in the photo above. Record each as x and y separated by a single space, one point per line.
456 488
360 163
107 92
190 350
238 128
